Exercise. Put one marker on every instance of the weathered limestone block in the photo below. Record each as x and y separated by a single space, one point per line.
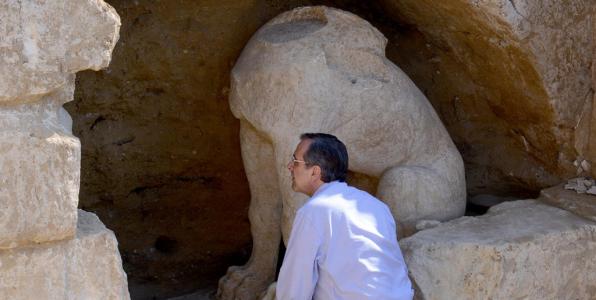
43 42
583 205
518 250
318 69
40 166
86 267
512 79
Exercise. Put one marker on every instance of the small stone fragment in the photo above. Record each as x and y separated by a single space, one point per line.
585 165
427 224
580 184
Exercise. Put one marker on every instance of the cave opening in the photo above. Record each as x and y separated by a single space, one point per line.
161 162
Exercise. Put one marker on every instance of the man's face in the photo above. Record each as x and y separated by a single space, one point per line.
301 173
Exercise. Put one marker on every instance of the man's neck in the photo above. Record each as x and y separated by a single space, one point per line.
317 186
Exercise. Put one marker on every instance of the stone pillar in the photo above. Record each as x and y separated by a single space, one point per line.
44 241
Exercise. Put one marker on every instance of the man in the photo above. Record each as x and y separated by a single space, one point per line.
343 243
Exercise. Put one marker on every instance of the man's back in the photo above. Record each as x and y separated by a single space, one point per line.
344 246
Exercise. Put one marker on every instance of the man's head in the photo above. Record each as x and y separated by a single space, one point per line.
318 158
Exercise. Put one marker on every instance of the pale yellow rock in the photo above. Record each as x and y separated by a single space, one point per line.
86 267
525 94
40 164
318 69
43 42
518 250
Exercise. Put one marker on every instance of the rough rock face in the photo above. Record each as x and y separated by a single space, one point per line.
520 249
511 79
40 162
43 43
43 46
86 267
319 69
583 205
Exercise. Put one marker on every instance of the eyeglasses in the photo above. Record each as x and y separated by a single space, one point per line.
297 161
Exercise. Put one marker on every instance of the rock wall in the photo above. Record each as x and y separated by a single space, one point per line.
41 243
511 80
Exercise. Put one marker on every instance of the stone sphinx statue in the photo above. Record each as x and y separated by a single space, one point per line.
318 69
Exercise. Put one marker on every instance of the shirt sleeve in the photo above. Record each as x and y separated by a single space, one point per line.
299 272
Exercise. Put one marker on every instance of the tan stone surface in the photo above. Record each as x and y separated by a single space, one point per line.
518 250
583 205
43 42
86 267
40 165
512 82
318 69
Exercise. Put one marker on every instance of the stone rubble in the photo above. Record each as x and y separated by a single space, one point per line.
582 185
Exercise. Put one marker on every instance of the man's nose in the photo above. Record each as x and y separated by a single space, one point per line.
290 165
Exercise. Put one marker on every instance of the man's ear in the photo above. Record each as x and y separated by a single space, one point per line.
316 172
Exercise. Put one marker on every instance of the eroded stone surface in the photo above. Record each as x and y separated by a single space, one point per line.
580 204
511 80
86 267
40 166
43 42
521 249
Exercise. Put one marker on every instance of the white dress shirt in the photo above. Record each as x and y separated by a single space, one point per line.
343 245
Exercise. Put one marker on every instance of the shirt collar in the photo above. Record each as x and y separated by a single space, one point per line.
324 187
